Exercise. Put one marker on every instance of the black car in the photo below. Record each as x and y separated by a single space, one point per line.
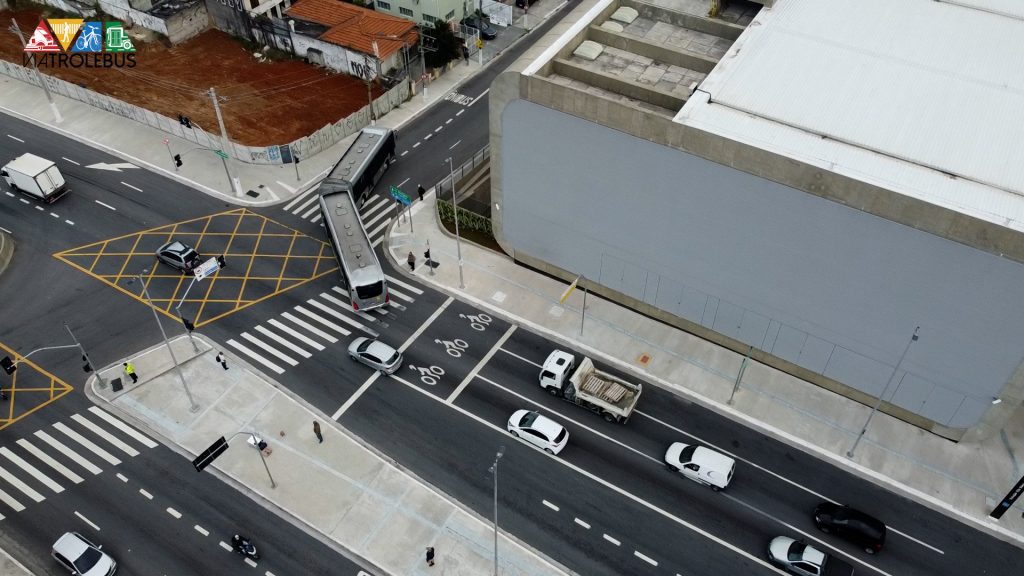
180 256
487 32
857 527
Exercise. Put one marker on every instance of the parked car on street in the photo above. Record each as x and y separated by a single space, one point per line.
179 256
539 430
700 464
796 557
375 354
487 32
863 530
81 556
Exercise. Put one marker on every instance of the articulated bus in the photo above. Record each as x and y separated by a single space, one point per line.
341 194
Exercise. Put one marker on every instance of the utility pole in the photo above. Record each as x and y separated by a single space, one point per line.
369 87
39 76
494 471
193 407
878 402
224 143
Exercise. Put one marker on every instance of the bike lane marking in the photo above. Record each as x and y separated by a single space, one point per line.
483 362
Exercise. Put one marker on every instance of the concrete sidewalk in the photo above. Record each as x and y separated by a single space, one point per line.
374 512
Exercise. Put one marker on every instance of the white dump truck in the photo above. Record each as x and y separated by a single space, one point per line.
586 386
36 177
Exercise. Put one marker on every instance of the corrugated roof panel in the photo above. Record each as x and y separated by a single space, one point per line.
885 79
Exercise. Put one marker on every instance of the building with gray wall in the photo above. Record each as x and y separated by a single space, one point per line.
810 186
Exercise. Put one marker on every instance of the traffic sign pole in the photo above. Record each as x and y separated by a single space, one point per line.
169 153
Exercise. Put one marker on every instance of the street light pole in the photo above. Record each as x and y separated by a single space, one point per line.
39 76
494 470
878 402
224 143
455 205
193 407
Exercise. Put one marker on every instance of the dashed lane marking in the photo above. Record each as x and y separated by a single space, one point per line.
132 187
15 138
70 160
108 206
612 540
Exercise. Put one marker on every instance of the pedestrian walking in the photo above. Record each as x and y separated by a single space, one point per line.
129 369
222 360
430 555
421 191
465 53
316 432
412 261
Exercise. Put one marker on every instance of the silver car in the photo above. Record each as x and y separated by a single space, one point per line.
375 354
80 556
180 256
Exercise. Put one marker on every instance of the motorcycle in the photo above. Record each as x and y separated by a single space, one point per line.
244 547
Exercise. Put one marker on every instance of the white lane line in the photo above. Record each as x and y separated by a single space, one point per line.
447 122
402 183
54 215
373 378
550 505
401 296
245 350
310 193
416 145
201 530
482 94
771 473
408 287
122 477
60 447
10 501
612 540
438 129
295 334
283 342
316 218
270 349
226 546
334 312
17 483
70 160
6 230
105 205
23 200
32 470
645 558
310 212
70 222
105 435
339 329
459 113
15 138
130 186
87 521
404 153
581 523
88 444
454 145
428 137
483 362
145 494
308 327
49 461
40 208
174 512
11 194
139 436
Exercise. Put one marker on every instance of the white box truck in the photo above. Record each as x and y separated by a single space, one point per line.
598 391
36 177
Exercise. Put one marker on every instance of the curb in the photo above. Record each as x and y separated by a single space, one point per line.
6 251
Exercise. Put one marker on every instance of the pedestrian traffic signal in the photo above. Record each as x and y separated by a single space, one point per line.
88 367
8 365
177 160
188 325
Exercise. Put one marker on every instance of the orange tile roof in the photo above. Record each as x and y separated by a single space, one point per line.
357 28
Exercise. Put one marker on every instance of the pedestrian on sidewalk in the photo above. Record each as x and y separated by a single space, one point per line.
316 432
465 53
412 261
430 555
129 369
421 191
223 361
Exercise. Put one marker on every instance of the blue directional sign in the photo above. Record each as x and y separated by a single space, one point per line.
400 196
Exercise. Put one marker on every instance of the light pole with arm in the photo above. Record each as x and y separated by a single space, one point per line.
455 206
494 470
878 402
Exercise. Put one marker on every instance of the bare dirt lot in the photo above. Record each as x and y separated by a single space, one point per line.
266 103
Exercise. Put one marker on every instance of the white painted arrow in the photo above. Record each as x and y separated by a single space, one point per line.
113 167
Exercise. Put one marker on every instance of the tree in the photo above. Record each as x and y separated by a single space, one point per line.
448 46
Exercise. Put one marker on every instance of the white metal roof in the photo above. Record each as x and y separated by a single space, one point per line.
924 98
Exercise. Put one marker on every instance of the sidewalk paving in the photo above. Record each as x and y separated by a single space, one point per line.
964 481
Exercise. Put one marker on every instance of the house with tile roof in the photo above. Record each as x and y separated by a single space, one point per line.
352 40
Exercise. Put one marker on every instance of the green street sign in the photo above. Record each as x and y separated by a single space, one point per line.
400 196
222 154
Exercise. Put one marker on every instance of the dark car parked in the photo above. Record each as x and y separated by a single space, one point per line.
487 32
180 256
857 527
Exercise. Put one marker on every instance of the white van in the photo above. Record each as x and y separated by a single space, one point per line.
36 177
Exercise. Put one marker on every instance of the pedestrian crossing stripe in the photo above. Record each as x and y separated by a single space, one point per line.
87 444
283 342
105 435
296 334
248 352
135 434
32 470
17 483
68 452
309 327
49 461
322 320
273 351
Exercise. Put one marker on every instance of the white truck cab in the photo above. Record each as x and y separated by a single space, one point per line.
700 464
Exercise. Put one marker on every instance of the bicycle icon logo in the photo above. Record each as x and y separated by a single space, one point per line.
478 322
430 375
454 348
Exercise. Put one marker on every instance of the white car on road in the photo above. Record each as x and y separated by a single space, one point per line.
700 464
79 556
539 430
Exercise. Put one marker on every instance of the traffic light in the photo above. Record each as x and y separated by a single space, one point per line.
8 365
184 121
221 262
188 325
87 367
296 159
427 256
177 160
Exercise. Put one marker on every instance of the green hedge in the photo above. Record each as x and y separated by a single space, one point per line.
467 220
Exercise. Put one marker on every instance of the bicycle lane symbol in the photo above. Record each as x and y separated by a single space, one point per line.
455 347
478 322
429 375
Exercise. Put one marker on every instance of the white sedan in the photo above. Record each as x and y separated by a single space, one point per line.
700 464
80 556
539 430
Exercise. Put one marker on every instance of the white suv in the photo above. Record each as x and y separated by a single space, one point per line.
80 556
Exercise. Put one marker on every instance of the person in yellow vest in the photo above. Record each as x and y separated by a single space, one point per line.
129 369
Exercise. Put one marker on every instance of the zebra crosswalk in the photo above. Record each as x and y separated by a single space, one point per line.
376 213
42 465
294 335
